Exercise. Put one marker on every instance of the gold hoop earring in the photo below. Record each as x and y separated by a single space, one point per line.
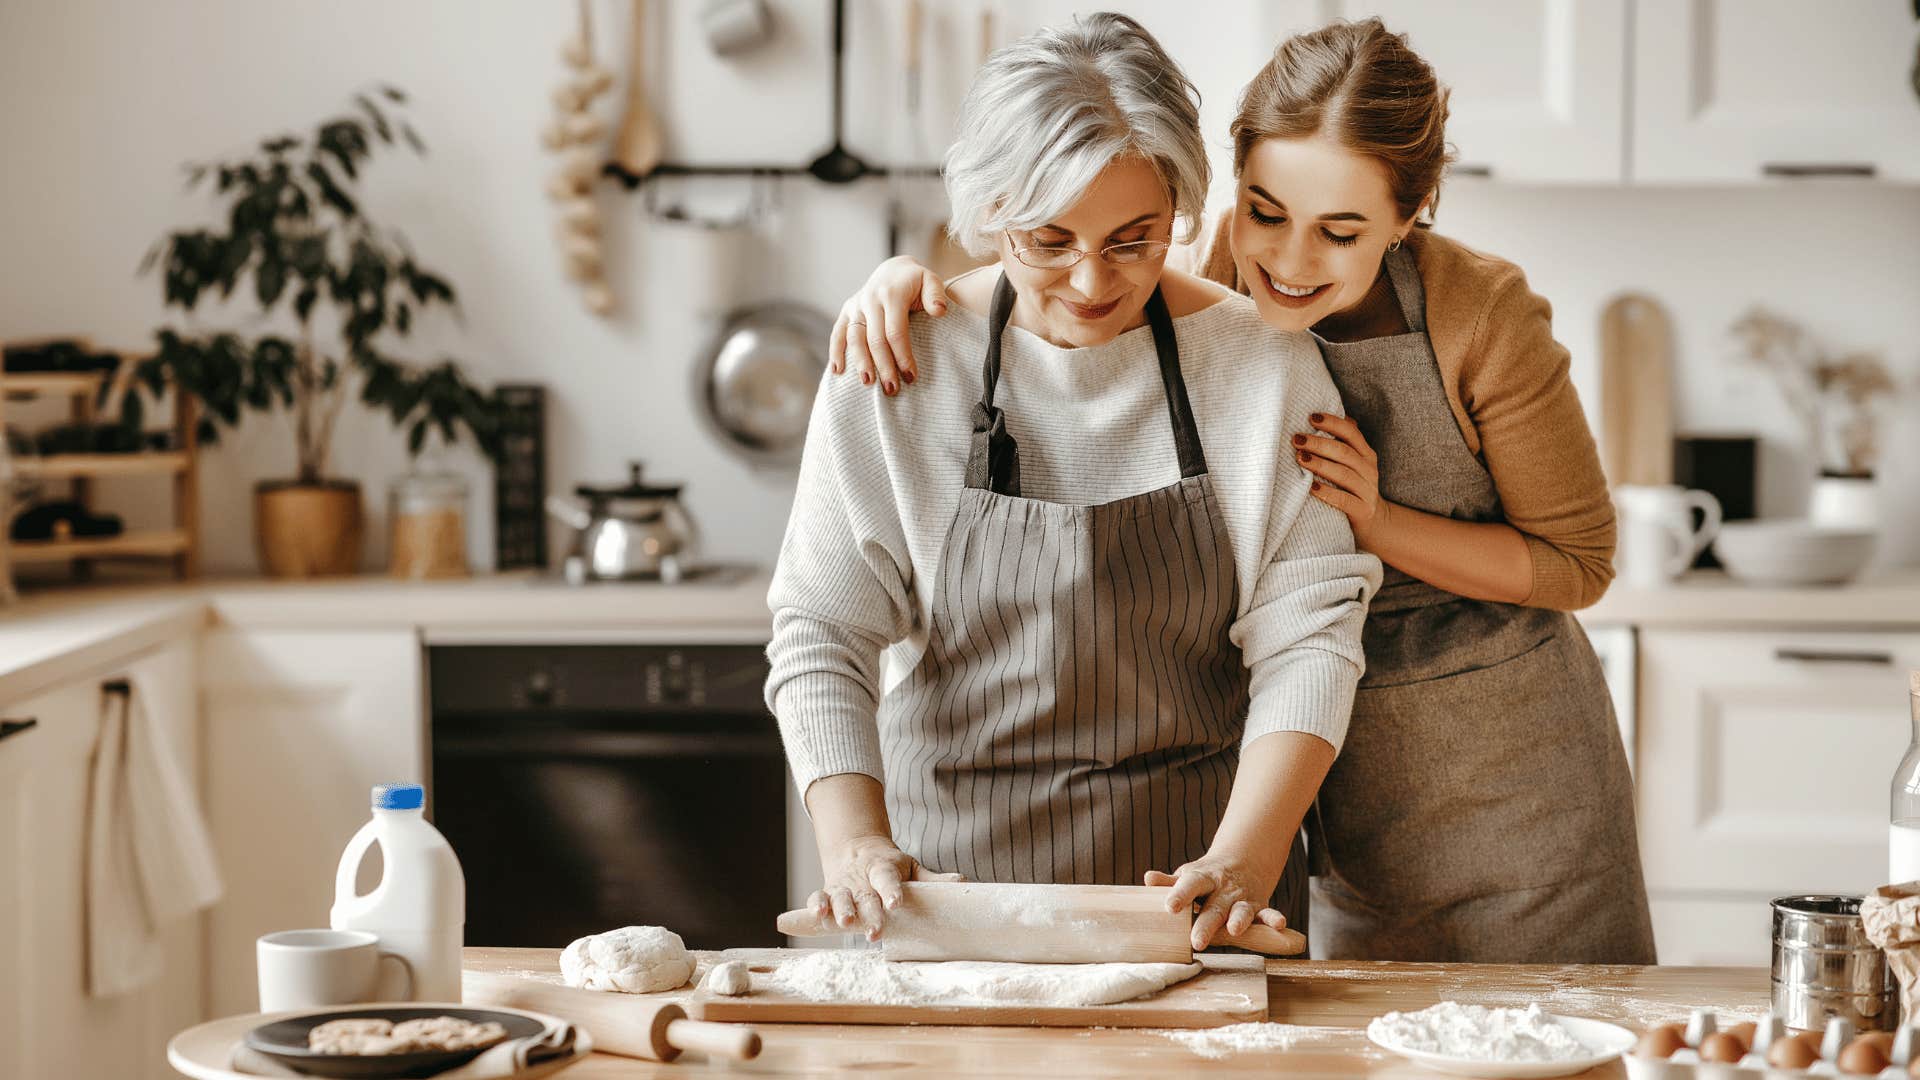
1394 245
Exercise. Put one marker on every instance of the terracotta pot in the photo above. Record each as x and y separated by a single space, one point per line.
308 530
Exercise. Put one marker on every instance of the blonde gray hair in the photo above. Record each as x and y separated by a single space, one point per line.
1046 114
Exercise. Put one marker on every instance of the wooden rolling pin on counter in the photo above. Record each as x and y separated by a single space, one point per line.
1325 1003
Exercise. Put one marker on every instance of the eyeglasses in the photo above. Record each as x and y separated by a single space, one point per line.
1062 258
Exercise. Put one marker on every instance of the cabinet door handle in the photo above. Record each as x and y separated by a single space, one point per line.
15 727
1822 656
1791 170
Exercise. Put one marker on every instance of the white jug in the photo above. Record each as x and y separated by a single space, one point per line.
419 909
1658 539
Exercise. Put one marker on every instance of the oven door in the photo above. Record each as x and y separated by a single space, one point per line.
571 823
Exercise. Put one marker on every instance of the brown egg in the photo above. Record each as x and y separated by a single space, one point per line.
1791 1054
1881 1039
1661 1042
1811 1040
1722 1046
1745 1033
1862 1057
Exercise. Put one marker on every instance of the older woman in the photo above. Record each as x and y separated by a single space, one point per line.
1120 637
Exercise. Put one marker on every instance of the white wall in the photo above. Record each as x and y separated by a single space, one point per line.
100 101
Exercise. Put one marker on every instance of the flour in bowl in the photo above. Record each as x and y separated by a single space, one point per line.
1478 1033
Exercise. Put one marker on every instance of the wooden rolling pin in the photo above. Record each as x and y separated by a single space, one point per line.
1040 924
619 1023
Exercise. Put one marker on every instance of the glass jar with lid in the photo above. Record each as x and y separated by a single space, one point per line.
427 525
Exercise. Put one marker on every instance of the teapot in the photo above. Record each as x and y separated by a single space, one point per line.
638 531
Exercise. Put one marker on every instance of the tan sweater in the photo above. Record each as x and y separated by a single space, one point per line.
1506 380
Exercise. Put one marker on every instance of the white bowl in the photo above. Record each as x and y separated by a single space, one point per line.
1792 551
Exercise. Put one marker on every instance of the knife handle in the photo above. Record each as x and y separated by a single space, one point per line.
1262 938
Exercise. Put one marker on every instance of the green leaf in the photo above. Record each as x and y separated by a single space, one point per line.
331 192
393 93
270 280
417 437
133 410
413 138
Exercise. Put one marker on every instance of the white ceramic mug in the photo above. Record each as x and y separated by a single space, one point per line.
1658 539
306 969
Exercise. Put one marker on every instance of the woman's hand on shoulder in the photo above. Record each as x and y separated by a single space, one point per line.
871 335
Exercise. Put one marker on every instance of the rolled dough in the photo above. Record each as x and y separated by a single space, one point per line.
864 977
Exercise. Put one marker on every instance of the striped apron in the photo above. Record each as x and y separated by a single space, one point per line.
1077 714
1481 809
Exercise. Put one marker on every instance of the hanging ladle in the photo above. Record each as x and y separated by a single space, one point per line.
837 165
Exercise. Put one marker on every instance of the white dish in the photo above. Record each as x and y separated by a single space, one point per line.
1607 1041
1792 551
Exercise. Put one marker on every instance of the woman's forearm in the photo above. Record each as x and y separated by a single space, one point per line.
846 807
1279 775
1478 560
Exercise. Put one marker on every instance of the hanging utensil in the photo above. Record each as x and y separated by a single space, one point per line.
757 383
636 151
838 165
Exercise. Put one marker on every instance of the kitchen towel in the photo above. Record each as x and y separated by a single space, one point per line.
149 856
553 1049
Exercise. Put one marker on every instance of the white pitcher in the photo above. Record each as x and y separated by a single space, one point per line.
1658 538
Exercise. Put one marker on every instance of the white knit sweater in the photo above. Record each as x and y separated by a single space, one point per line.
882 476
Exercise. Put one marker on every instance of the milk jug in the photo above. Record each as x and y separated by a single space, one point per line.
419 909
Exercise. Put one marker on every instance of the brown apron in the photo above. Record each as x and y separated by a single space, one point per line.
1077 714
1481 808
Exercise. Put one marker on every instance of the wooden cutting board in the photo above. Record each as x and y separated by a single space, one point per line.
1233 990
1636 391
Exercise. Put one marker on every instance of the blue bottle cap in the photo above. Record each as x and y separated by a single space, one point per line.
399 796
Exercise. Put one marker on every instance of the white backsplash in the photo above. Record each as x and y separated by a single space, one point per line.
89 184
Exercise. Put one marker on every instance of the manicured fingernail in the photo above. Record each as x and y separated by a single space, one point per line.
1317 417
889 386
939 308
1299 440
1305 457
907 377
867 377
1315 486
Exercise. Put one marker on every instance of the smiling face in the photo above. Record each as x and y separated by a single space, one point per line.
1092 302
1312 222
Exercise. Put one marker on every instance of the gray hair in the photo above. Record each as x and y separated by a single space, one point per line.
1046 114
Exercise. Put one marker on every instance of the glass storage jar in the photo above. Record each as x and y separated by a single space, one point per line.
427 526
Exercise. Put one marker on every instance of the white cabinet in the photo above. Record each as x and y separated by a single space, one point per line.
300 725
1734 90
49 1026
1538 85
1764 764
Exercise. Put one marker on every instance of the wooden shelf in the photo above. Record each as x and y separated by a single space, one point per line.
66 466
136 545
36 383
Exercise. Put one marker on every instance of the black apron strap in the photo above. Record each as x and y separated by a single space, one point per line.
1186 435
993 458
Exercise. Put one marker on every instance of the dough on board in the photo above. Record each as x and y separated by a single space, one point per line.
730 979
631 960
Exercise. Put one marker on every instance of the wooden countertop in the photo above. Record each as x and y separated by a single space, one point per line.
1329 1002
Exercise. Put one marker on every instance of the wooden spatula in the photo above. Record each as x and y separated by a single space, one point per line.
1040 924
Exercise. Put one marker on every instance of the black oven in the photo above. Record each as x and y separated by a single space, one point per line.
587 787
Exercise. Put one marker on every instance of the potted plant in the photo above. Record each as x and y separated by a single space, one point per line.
333 291
1836 398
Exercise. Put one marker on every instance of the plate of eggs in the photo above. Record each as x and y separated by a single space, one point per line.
1752 1050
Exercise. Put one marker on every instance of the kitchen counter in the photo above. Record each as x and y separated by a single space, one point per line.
1709 598
1329 1002
57 633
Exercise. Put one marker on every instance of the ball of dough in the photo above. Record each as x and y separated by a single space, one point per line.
730 979
631 960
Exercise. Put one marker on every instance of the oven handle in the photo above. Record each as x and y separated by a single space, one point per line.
606 744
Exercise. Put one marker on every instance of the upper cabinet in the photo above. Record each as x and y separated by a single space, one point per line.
1538 85
1739 90
1662 91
